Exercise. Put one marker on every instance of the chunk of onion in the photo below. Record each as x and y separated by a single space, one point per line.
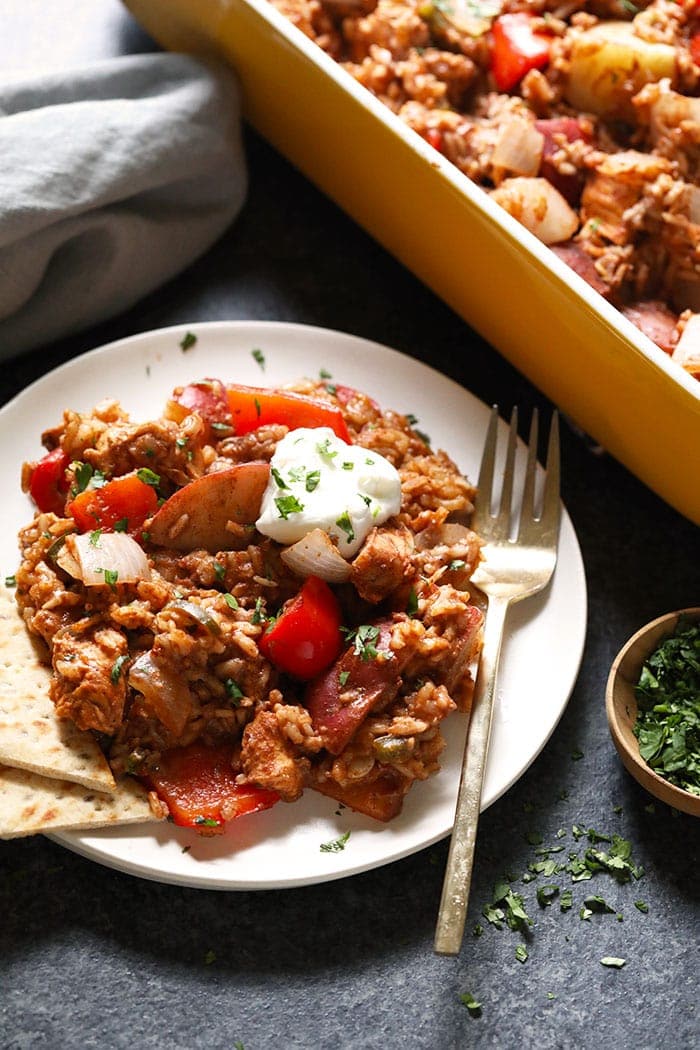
687 350
518 149
316 555
164 692
100 558
538 206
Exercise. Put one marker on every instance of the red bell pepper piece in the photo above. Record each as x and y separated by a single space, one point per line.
208 399
198 785
516 49
48 486
252 407
306 637
694 47
127 500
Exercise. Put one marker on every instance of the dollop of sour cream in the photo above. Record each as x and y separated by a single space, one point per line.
318 481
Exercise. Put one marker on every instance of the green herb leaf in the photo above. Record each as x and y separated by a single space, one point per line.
521 953
336 845
344 523
188 341
287 505
117 667
148 476
472 1004
259 357
312 479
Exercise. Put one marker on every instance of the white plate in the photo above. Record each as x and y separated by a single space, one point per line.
542 651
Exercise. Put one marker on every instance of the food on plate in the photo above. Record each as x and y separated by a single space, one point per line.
582 120
259 592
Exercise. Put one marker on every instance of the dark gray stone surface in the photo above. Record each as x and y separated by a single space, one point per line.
93 958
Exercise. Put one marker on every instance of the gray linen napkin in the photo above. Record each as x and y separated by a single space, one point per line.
113 178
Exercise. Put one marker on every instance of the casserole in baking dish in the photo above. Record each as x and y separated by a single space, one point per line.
573 344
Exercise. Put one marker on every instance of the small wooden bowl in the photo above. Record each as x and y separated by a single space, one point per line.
621 708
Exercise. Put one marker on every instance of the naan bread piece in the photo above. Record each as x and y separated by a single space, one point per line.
31 804
31 736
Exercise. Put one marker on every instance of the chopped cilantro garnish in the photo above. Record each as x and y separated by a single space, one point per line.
122 525
324 374
148 476
348 465
287 505
206 822
521 953
324 449
233 690
117 667
281 483
188 341
344 523
231 600
259 357
219 570
95 537
312 480
11 581
641 906
111 577
365 638
412 603
343 677
83 476
336 845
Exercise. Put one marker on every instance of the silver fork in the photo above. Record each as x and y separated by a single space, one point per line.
515 566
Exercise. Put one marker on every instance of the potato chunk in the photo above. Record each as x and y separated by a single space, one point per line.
610 64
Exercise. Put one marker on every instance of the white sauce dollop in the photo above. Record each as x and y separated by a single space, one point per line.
318 481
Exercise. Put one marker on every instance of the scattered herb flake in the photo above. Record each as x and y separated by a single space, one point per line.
335 845
11 581
148 476
521 953
312 479
259 357
344 522
231 600
188 341
287 505
472 1004
117 667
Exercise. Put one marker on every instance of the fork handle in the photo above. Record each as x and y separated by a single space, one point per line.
458 873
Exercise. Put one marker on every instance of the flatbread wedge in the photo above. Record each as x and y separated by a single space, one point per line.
31 736
31 804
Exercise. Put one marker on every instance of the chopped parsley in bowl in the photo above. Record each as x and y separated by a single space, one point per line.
653 708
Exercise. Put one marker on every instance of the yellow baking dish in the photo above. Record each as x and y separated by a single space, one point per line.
593 363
